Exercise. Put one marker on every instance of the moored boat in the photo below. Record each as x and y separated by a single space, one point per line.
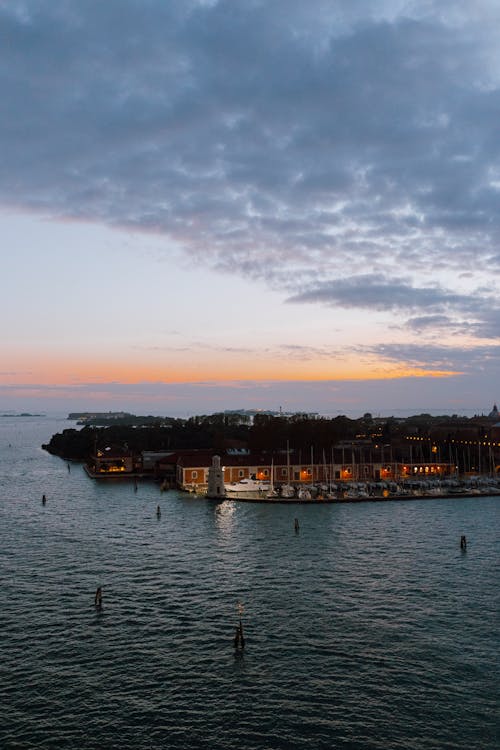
250 486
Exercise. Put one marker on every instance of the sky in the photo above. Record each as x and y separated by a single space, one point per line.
254 204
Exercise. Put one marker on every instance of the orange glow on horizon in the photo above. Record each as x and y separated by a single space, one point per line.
75 371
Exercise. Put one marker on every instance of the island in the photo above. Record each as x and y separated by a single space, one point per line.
302 454
23 414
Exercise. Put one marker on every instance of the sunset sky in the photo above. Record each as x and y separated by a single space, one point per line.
250 204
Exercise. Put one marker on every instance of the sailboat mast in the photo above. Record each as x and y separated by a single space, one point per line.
288 462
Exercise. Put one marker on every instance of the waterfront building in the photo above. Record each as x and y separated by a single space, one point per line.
192 470
114 460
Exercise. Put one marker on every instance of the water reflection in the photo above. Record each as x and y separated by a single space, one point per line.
224 515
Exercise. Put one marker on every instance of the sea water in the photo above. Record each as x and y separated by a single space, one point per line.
367 628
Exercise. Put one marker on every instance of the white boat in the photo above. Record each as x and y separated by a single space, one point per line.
304 494
271 491
246 486
357 492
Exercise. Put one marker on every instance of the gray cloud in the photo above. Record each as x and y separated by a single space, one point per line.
379 293
458 359
274 140
438 324
476 314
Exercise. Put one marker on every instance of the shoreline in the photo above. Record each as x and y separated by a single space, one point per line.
350 500
134 477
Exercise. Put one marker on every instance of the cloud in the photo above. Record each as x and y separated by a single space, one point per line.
437 324
475 314
457 358
278 140
377 292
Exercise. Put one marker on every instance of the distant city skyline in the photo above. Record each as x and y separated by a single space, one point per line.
353 414
213 204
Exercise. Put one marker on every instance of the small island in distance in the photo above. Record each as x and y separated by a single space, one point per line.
23 414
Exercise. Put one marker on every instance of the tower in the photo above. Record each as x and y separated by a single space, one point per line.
215 488
494 414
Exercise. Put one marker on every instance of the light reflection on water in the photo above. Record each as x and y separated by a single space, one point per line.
224 516
367 628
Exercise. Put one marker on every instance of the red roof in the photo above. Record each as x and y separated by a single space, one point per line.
200 460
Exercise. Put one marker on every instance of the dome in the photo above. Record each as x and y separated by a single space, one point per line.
494 414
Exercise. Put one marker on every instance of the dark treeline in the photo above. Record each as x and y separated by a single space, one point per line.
215 431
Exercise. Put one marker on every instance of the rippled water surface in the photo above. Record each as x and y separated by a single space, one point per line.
369 628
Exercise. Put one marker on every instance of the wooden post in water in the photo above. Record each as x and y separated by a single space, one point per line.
239 638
